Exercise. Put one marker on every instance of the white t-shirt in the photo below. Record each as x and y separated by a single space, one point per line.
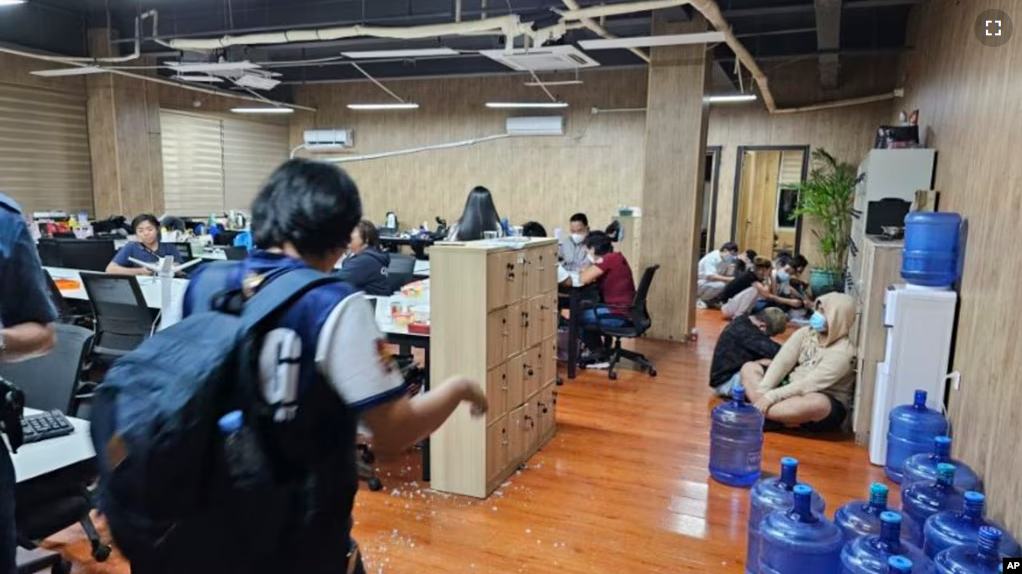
710 264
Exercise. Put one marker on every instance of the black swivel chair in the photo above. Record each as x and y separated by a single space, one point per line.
236 253
401 271
123 319
52 502
637 323
86 254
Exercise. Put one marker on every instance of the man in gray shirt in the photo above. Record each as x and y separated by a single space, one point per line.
572 250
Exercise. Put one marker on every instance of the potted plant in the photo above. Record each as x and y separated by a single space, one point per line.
826 198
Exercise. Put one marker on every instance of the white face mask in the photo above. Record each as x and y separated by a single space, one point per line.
578 238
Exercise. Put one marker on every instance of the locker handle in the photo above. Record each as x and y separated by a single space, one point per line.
544 407
532 423
528 370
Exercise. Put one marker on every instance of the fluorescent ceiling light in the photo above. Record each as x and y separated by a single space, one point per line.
731 98
387 106
521 105
557 83
411 53
59 72
11 2
648 41
209 67
276 110
199 78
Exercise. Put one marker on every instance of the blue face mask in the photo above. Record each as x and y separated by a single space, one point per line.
783 276
818 322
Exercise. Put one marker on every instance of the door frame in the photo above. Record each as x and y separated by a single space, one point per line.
717 152
738 184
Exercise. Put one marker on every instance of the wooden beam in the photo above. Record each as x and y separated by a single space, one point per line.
676 122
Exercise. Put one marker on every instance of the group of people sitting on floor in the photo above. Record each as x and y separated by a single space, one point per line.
806 382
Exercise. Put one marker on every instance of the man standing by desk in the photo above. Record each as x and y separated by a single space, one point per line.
26 330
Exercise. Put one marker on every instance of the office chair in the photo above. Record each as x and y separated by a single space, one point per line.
637 323
400 272
123 319
236 253
39 559
52 502
86 254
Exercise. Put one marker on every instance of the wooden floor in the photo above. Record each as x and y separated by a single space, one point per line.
623 487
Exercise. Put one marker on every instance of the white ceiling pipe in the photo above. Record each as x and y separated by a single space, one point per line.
619 9
602 32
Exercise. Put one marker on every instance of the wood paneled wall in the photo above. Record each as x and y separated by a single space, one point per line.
968 97
15 70
596 168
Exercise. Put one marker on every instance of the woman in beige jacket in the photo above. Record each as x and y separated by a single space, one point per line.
809 382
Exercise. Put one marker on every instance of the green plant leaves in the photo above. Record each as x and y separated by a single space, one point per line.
827 197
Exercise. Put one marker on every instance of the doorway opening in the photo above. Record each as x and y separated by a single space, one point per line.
711 175
765 198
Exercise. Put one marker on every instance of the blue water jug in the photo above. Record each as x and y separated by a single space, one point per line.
799 540
979 558
912 430
922 500
923 467
736 441
862 517
957 527
899 565
768 495
870 554
930 255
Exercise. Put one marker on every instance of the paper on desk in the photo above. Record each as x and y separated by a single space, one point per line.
563 274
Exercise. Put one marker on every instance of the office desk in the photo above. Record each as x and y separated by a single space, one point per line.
421 267
574 297
39 458
151 286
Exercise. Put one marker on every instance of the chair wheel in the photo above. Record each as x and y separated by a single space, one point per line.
612 376
368 456
652 372
101 552
375 484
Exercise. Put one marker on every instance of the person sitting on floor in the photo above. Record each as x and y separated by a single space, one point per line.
744 340
712 272
610 270
809 383
367 265
742 295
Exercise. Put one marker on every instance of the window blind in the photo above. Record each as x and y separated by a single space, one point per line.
791 167
252 151
44 149
193 164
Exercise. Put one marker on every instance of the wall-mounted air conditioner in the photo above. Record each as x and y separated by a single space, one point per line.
536 126
328 140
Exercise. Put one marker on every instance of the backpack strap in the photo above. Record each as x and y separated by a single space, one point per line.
282 291
207 291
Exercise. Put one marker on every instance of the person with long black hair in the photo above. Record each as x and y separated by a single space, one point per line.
479 216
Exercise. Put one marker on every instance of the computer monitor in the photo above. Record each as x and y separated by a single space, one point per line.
86 255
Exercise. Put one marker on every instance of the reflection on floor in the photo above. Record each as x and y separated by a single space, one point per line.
623 487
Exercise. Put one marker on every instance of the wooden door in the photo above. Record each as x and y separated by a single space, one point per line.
496 393
758 202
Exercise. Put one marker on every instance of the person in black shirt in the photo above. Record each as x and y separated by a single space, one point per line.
367 266
745 339
759 272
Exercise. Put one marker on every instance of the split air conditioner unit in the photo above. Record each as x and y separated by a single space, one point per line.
328 140
536 126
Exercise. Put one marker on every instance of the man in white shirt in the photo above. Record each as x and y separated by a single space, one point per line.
572 249
712 272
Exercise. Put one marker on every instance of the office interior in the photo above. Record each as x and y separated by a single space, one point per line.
688 143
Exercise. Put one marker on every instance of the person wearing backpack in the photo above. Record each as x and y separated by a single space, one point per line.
26 330
322 368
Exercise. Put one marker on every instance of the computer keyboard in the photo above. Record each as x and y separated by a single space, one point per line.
42 426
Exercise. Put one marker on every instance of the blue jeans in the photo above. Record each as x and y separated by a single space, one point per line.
8 537
592 339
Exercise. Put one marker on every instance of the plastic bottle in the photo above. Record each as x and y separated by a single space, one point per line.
912 430
736 441
922 500
930 255
899 565
246 462
923 467
862 517
768 495
957 527
979 558
870 554
800 540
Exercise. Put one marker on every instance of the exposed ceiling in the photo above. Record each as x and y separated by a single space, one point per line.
774 31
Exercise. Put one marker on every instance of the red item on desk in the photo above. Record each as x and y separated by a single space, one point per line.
419 328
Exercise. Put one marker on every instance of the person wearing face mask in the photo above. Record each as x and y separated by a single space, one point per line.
782 293
366 264
572 251
746 339
748 291
148 248
611 272
809 383
712 273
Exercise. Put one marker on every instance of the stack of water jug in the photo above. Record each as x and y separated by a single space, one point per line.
940 529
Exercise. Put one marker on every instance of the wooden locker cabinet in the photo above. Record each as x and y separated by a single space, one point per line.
493 308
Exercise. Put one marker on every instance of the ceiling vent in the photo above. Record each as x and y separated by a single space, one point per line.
543 59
